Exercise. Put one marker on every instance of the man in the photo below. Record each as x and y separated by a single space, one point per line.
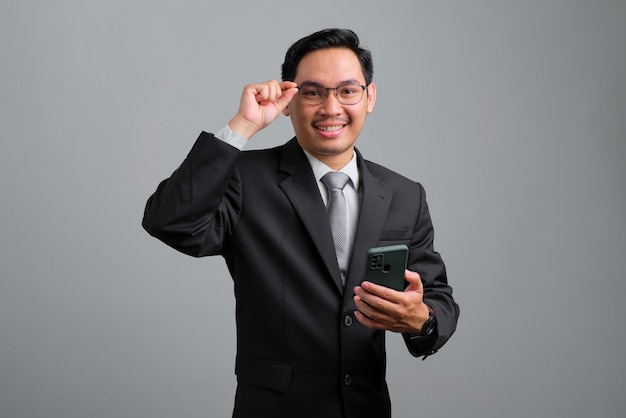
300 351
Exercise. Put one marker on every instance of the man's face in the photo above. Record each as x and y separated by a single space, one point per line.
329 130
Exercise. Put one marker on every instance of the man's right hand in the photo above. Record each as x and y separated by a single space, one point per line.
260 104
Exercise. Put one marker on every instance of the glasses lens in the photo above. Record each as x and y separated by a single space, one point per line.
312 94
350 93
347 94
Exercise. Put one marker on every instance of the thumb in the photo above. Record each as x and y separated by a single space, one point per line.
414 280
285 98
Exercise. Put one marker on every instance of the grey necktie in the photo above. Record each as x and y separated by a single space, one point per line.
335 182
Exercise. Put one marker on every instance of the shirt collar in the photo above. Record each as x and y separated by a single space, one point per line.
320 169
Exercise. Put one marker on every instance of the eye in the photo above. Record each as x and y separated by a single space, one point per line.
348 90
311 91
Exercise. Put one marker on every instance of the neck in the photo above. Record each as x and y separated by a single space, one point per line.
336 161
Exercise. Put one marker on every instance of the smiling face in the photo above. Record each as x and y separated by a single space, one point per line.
329 130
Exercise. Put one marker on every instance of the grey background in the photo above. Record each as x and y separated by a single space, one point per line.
511 113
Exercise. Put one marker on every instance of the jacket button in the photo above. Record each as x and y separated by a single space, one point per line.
347 321
347 380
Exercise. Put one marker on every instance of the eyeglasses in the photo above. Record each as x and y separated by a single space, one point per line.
346 94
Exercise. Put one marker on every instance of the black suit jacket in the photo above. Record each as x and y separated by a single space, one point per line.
300 351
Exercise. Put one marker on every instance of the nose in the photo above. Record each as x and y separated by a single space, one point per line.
331 104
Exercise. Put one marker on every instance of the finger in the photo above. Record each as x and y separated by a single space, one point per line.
382 292
264 94
285 98
273 92
364 307
364 320
287 85
266 91
368 311
375 308
414 280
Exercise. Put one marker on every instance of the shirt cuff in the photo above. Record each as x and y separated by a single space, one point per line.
231 138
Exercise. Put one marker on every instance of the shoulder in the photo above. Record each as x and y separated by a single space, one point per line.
265 157
390 177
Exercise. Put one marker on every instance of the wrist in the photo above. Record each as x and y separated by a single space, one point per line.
428 327
242 127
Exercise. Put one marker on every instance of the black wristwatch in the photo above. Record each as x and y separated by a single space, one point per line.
429 326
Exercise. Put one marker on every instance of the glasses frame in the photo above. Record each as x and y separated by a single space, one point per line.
336 89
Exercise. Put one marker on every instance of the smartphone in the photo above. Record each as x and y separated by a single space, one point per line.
386 265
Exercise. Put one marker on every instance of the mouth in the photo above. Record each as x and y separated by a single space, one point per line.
329 128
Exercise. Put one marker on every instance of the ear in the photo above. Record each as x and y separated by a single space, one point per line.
286 110
371 97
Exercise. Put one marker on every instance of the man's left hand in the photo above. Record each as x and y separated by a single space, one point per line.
383 308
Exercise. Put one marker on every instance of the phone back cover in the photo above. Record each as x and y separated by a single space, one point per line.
386 266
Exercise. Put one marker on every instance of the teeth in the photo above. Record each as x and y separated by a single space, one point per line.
329 128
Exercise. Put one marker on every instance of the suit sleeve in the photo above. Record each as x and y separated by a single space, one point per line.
437 292
195 209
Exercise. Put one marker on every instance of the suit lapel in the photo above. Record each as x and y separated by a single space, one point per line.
303 193
374 208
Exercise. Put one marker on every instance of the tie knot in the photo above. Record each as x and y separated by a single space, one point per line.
335 180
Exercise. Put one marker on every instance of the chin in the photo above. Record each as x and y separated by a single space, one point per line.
333 149
315 144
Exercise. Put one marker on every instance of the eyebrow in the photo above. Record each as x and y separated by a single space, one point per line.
343 83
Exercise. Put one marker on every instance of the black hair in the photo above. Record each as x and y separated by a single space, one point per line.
324 39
